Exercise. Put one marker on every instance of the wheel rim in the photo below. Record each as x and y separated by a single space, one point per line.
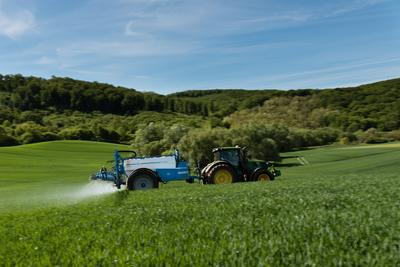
263 177
143 183
223 177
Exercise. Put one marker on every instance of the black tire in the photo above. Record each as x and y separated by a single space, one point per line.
142 181
222 174
263 175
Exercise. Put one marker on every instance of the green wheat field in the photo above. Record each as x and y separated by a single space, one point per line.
332 206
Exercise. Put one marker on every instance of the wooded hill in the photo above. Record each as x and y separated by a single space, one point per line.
27 93
373 105
34 109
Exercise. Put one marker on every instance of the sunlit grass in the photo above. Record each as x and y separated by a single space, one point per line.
341 209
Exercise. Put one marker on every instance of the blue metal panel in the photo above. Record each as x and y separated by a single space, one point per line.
180 173
105 176
182 164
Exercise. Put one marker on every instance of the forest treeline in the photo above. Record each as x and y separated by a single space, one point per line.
28 93
374 105
267 121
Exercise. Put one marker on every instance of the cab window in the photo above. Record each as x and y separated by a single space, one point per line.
231 156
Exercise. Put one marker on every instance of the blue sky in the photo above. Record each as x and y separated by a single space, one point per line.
173 45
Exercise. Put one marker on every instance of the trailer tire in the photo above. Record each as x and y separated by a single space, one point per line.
142 181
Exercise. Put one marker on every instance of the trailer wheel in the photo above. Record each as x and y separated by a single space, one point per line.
142 181
263 176
222 174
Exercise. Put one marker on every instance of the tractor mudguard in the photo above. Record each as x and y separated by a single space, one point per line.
206 172
206 169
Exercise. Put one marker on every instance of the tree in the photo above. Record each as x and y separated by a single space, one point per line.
6 140
76 133
197 145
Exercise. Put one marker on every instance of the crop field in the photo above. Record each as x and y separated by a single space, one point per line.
333 206
37 175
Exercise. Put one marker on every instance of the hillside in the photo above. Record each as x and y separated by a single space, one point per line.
343 205
28 93
36 110
375 105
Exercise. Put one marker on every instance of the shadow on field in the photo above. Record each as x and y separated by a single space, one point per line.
305 148
121 196
289 157
287 165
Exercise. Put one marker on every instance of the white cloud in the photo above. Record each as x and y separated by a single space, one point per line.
122 49
15 24
165 28
215 18
300 16
130 30
312 78
143 77
353 6
44 61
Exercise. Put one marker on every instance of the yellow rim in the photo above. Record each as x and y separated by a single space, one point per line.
223 177
263 177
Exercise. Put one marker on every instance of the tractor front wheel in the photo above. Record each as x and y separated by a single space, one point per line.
222 174
142 182
263 176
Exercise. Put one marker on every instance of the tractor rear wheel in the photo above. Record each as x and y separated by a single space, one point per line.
222 174
263 176
142 181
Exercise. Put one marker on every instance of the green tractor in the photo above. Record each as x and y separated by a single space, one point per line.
231 165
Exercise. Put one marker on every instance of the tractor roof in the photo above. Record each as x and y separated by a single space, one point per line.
226 148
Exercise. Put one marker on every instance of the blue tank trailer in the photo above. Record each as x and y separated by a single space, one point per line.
230 165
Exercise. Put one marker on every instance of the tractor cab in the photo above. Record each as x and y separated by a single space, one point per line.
233 155
236 156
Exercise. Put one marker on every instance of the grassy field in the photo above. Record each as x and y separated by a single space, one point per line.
332 206
37 175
